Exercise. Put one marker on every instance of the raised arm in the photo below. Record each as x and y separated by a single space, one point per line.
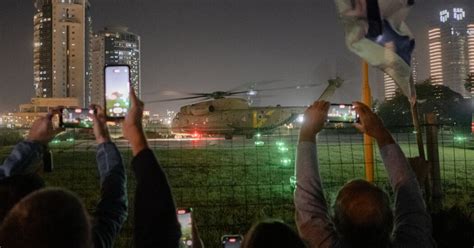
28 153
156 223
412 221
111 211
312 218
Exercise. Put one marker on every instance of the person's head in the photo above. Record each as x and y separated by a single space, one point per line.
13 189
47 218
362 215
271 233
453 227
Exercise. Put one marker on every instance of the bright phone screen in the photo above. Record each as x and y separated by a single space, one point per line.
76 117
117 91
184 218
342 113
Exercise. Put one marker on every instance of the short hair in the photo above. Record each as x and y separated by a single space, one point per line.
271 233
362 215
49 217
14 188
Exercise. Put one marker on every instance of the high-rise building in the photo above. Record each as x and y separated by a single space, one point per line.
470 41
390 87
114 46
62 30
450 48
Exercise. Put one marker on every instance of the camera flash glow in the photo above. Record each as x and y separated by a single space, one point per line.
300 119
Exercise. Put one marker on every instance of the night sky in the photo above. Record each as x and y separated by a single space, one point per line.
209 45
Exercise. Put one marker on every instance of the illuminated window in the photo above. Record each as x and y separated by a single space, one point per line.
459 14
444 16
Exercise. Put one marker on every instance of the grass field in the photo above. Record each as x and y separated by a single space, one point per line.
231 186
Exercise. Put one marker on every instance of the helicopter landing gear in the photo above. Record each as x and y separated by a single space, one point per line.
228 136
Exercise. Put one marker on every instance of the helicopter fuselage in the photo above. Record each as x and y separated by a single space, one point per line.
231 116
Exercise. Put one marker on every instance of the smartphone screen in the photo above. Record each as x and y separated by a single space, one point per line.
117 90
342 113
76 118
185 220
231 241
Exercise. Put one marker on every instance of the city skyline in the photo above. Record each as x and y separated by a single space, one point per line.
450 52
61 61
216 46
390 87
114 45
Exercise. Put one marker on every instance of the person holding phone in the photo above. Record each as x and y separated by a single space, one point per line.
362 213
155 223
55 217
18 173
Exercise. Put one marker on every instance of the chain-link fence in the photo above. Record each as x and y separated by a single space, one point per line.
232 183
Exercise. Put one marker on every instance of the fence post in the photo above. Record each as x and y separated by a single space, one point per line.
368 142
433 157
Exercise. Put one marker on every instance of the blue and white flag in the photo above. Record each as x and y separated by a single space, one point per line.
376 31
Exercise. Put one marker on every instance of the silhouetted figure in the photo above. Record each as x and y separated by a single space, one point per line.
362 212
56 217
271 233
155 222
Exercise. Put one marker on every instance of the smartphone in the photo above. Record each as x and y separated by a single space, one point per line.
76 118
231 241
185 220
117 91
342 113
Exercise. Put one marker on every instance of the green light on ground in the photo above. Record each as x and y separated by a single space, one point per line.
280 143
258 135
259 143
55 141
282 149
285 161
70 139
460 138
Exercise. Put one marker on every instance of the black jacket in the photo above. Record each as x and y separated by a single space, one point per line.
156 224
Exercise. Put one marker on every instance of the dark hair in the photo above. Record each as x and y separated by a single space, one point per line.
14 188
271 233
453 227
362 215
47 218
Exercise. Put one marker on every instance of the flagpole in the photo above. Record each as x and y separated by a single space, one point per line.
368 142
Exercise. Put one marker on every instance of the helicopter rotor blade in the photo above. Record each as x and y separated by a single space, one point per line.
236 93
252 85
166 93
175 99
306 86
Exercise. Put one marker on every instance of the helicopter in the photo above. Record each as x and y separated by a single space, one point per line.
220 114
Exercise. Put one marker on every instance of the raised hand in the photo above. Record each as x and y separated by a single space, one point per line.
314 118
42 129
372 125
132 126
101 132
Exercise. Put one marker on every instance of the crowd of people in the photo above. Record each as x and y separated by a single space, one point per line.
33 215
